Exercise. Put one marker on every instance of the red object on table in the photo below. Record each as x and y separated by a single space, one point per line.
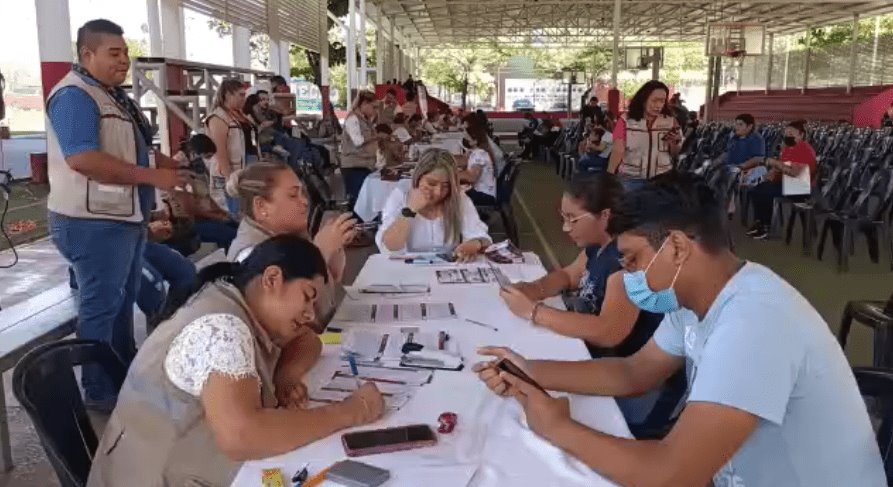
447 422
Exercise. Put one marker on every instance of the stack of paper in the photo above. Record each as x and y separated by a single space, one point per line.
396 385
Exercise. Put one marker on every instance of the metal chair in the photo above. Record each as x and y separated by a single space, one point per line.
876 384
877 315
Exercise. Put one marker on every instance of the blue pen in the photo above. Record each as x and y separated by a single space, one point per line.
353 369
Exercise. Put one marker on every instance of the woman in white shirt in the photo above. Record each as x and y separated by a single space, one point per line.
481 168
434 215
400 130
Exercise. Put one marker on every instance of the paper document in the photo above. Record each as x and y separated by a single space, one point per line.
796 185
393 313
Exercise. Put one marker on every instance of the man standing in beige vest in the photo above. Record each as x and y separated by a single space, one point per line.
101 192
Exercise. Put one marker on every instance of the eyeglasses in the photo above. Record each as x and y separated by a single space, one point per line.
573 220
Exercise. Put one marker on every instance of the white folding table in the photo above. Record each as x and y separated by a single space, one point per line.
491 445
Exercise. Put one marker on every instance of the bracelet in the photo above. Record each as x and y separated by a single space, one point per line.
535 311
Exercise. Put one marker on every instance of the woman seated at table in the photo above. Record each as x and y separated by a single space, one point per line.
400 130
275 203
434 215
390 151
480 169
199 399
601 314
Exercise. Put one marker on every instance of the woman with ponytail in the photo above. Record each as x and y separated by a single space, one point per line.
199 398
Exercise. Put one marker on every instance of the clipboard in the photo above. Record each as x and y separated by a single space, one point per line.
796 185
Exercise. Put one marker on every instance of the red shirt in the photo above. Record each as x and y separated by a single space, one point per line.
801 153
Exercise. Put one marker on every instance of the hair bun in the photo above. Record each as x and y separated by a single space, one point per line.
232 184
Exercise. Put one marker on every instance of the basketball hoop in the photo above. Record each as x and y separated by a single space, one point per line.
735 53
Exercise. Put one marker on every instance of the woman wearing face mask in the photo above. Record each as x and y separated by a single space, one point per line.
796 156
601 314
224 126
645 139
359 144
199 398
480 170
434 215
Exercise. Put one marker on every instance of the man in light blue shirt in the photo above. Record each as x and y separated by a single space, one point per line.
746 146
772 401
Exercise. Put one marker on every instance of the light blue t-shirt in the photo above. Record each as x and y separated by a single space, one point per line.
762 348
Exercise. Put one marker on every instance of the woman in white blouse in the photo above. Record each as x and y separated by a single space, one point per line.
199 398
481 168
434 215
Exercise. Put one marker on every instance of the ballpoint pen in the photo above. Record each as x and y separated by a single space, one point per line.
478 323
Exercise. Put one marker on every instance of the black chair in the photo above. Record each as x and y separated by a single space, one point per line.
45 385
505 188
877 315
876 386
823 202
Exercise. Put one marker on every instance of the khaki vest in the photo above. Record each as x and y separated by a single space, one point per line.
647 155
75 195
353 156
235 139
249 235
157 436
387 114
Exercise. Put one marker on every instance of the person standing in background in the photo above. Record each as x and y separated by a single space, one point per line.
389 107
359 144
101 193
224 126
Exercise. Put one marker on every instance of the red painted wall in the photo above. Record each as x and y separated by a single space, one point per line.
869 112
826 104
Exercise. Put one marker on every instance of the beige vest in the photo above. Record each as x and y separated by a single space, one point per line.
235 139
249 235
75 195
157 436
353 156
647 154
387 114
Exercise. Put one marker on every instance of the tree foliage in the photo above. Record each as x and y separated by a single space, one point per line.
840 34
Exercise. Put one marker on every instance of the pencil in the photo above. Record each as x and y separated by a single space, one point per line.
316 479
482 324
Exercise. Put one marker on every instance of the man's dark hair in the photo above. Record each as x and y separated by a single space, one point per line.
673 201
597 192
400 118
202 144
593 99
89 34
277 80
383 128
637 104
261 92
410 96
392 91
800 125
415 118
746 118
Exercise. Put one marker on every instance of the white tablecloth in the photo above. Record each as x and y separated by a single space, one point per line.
491 446
373 195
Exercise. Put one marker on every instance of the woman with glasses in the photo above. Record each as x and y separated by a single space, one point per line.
600 314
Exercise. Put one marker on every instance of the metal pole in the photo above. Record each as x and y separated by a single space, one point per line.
877 32
379 48
392 60
655 63
153 18
351 52
362 33
708 98
771 62
851 79
806 63
616 57
787 60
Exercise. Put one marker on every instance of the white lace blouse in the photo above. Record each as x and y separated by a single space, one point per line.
220 343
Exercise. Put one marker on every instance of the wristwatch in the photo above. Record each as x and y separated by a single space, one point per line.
408 213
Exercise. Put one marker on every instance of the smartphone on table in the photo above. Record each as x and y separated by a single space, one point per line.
360 443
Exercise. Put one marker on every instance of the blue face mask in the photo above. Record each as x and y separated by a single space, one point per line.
636 284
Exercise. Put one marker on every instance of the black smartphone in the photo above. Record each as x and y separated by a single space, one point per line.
446 256
388 440
510 367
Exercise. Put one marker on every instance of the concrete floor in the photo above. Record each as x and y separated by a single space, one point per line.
536 208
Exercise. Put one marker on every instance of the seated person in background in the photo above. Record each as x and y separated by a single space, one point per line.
595 150
199 398
414 127
194 207
796 156
887 117
747 149
601 314
388 107
390 151
530 125
772 400
434 215
410 107
429 127
271 132
400 130
480 171
544 137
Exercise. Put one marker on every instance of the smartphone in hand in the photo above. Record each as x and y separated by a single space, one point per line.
510 367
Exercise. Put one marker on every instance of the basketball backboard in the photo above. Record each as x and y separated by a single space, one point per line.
735 39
